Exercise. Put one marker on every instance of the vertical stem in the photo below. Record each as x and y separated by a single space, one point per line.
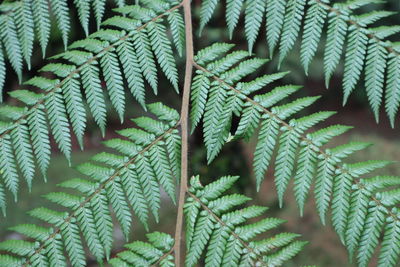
184 129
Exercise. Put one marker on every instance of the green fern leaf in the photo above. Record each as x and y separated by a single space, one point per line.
254 16
131 68
135 194
11 43
149 184
357 216
390 250
73 243
233 9
207 9
213 111
371 17
275 17
314 22
92 85
304 174
222 65
265 147
55 252
2 73
212 52
59 123
60 10
114 82
103 221
19 247
337 29
83 14
8 166
23 152
324 185
375 76
371 233
116 197
392 88
354 60
162 170
173 144
163 51
219 233
146 58
286 253
285 160
25 26
88 227
42 22
2 200
291 26
75 107
248 122
177 26
199 94
156 251
99 9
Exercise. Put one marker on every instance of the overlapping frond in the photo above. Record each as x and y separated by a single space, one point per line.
126 50
219 232
130 178
156 252
365 49
362 208
23 21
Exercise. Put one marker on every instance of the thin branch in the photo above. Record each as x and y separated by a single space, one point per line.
184 128
100 188
304 138
47 94
222 223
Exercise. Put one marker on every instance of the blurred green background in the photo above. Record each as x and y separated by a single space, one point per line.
324 248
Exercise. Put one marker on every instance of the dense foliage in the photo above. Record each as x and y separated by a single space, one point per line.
148 164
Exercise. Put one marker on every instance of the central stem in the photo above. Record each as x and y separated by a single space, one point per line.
184 129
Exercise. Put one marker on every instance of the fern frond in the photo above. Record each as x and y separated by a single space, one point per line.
336 36
11 43
60 10
254 16
163 52
363 41
112 55
313 25
219 232
156 252
177 27
291 26
22 20
117 182
354 60
207 9
354 198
